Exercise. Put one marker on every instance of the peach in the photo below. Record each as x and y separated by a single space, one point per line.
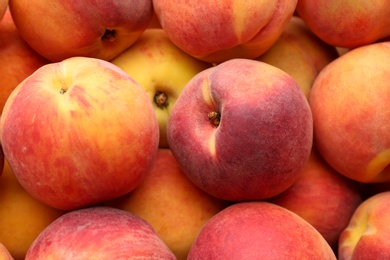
22 217
76 143
350 106
259 230
17 59
300 53
215 31
347 23
368 233
98 29
99 233
171 203
323 197
241 130
162 69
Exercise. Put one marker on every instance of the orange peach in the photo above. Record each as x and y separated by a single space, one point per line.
79 132
171 203
367 235
22 217
300 53
215 31
98 29
17 59
347 23
351 110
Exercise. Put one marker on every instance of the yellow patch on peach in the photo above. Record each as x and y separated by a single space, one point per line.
379 164
212 145
206 93
240 11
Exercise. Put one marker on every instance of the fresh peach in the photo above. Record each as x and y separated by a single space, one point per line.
323 197
351 110
79 132
22 217
215 31
17 59
99 233
367 235
300 53
241 130
64 29
347 23
259 230
171 203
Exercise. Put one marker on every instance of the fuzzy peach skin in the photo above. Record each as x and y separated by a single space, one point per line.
99 29
259 230
162 69
171 203
22 217
259 140
17 59
351 110
68 132
300 53
215 31
4 253
99 233
368 232
348 23
3 8
323 197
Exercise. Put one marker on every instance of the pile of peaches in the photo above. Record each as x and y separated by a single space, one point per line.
172 129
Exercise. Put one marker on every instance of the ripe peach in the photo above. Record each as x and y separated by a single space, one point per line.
351 110
241 130
259 230
99 233
347 23
215 31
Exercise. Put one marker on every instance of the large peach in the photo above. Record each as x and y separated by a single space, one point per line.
68 132
259 230
99 233
17 59
351 112
300 53
241 130
367 235
215 31
347 23
171 203
162 69
323 197
64 29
